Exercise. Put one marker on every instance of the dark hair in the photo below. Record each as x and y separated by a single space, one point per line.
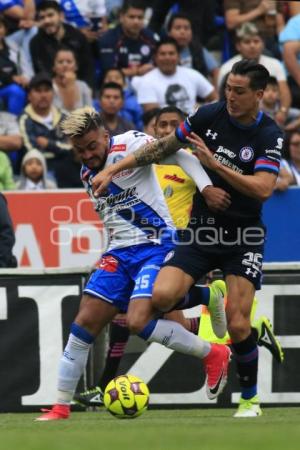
149 115
165 41
65 48
111 85
136 4
115 69
170 109
272 81
177 16
48 4
257 73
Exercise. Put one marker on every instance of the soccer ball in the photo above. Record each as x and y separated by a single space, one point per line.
126 396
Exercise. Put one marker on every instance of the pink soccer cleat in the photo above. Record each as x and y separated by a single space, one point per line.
216 368
57 412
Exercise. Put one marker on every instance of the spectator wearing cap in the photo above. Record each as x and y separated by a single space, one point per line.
33 176
250 45
53 33
40 122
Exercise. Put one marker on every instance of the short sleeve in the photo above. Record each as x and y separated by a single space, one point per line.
291 31
130 141
270 155
197 121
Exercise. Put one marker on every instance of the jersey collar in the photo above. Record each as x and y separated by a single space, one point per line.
248 127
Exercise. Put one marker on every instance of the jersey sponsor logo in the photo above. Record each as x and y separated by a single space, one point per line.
273 152
175 178
108 263
246 154
227 152
227 163
123 173
111 200
212 134
117 148
279 143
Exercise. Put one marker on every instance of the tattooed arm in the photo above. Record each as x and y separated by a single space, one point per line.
157 150
149 153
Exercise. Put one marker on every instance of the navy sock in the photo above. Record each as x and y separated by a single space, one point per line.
246 356
197 295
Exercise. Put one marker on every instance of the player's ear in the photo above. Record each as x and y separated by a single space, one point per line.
106 136
259 94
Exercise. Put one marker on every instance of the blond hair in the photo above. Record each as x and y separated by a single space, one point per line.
81 121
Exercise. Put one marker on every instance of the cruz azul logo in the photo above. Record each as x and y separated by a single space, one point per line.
246 154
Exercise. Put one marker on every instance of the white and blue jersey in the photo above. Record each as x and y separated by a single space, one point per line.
138 224
79 12
133 210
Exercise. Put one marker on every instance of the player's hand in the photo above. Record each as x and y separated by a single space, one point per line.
203 153
216 199
101 181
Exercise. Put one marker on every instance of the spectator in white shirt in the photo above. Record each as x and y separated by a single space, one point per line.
171 84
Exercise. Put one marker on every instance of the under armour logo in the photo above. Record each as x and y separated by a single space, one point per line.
210 133
251 272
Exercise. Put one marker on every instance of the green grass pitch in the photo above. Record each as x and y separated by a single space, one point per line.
199 429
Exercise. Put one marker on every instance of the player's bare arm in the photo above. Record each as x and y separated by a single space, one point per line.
259 186
150 153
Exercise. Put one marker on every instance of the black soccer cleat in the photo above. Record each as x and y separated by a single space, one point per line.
267 338
91 397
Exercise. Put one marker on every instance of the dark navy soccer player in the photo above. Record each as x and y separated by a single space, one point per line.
241 148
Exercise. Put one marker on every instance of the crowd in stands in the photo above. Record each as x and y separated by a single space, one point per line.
128 58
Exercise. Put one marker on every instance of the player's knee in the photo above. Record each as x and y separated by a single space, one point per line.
238 329
88 322
135 324
162 298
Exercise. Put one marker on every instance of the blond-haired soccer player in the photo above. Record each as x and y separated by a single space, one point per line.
141 236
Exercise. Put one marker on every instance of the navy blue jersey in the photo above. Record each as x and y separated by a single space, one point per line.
244 149
116 50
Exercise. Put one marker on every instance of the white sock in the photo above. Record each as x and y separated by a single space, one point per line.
71 367
175 336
